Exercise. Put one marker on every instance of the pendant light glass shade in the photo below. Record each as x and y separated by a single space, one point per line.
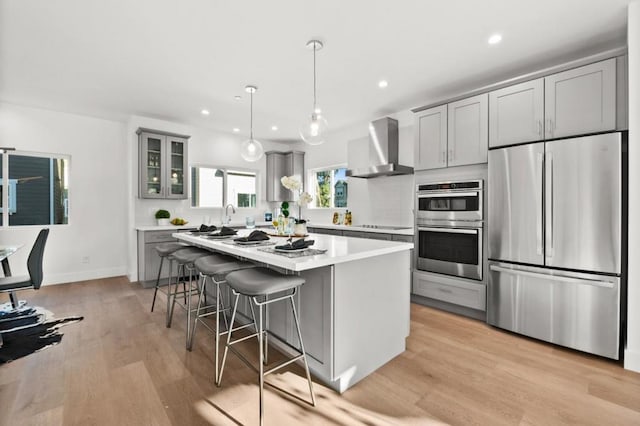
251 149
313 130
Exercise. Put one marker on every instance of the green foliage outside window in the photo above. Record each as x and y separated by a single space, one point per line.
323 189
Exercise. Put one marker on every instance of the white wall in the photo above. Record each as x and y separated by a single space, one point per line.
97 193
382 200
205 147
632 351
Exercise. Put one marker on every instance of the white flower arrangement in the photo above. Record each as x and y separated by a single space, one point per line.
294 185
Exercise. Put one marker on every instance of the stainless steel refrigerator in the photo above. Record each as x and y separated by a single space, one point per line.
555 241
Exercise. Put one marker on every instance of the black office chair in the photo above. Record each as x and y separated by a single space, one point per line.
34 265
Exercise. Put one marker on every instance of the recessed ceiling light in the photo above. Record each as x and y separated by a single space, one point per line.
495 39
236 130
383 83
237 97
274 128
204 112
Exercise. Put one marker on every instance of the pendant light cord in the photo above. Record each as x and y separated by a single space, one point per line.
314 76
251 115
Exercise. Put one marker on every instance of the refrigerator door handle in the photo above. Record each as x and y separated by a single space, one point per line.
539 169
562 278
549 204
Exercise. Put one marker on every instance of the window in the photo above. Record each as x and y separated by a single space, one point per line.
217 187
36 191
329 187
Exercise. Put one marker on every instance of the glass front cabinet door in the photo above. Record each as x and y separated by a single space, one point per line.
163 164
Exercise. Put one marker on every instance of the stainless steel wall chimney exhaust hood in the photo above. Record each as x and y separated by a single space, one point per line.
383 151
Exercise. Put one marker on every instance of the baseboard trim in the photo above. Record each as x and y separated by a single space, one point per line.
70 277
632 360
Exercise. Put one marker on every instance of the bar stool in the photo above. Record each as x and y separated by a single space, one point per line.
164 251
184 258
215 267
257 284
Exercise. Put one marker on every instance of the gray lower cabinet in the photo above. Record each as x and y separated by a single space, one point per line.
313 304
148 259
324 231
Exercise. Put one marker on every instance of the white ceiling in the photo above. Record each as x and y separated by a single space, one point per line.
171 58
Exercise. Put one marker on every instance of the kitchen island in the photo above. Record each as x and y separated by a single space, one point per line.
353 307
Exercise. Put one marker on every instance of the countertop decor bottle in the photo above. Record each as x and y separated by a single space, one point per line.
280 224
336 218
347 218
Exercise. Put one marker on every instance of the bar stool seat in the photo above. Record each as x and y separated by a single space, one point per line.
258 284
263 281
215 267
164 250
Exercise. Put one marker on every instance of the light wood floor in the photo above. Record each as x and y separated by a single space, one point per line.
121 366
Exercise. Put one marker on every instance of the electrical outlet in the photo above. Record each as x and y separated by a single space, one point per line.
85 259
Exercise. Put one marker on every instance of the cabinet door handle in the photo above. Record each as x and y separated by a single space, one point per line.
451 155
444 160
539 128
550 129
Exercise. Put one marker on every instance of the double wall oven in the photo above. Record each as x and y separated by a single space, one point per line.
449 225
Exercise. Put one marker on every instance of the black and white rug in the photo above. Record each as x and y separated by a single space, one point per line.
27 329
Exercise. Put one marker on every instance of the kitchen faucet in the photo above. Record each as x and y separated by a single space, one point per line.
227 218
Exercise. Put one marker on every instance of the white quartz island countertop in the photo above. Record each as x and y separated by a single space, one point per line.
354 305
339 249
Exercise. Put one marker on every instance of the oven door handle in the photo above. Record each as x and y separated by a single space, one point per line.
448 194
449 230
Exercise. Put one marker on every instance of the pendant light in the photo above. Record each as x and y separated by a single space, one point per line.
312 131
251 149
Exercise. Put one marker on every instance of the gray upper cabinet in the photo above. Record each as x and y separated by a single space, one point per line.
581 100
516 113
431 138
163 163
452 135
468 131
281 164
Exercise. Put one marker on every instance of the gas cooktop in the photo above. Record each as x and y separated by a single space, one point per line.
391 228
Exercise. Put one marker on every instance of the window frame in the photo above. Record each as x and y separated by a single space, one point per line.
225 171
312 180
4 163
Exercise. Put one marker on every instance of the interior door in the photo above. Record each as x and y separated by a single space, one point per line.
583 203
515 204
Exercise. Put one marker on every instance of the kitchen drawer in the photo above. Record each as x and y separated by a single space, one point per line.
457 292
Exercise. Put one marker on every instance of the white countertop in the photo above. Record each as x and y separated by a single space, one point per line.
404 231
339 250
193 226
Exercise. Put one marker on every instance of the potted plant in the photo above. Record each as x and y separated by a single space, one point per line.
163 217
304 198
